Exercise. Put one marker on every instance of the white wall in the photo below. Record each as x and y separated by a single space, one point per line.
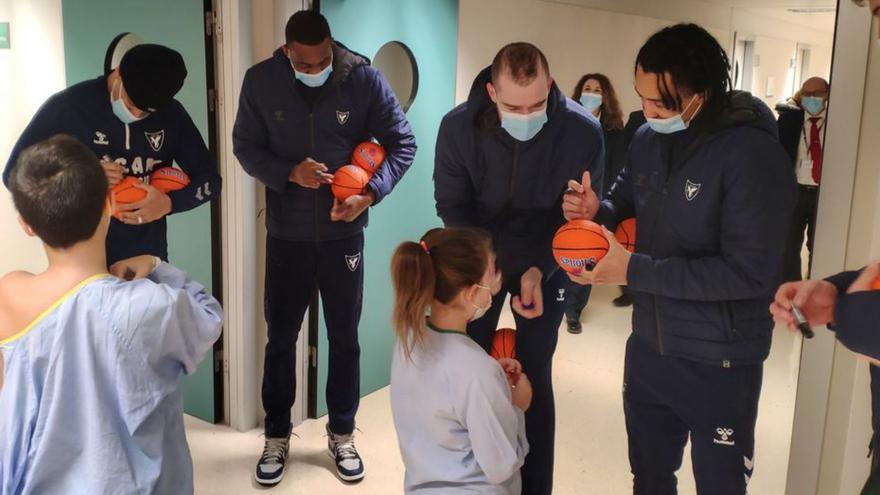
32 70
580 36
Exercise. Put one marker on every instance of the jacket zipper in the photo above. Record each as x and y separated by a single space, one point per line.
512 184
662 209
312 152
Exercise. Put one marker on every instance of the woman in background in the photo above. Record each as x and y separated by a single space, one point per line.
596 94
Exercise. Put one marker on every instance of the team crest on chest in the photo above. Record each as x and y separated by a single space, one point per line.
156 139
342 117
691 190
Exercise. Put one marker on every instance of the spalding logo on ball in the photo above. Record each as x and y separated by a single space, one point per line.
579 245
167 179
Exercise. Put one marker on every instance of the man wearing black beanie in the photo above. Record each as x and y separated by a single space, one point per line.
131 121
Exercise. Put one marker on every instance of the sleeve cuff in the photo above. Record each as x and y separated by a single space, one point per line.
636 278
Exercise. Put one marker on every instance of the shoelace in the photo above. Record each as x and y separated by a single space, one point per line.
274 450
345 447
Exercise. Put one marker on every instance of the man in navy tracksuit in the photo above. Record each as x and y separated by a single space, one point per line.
502 163
301 114
130 120
712 191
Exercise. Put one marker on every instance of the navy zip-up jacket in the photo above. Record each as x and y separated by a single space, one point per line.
165 137
713 206
485 178
276 129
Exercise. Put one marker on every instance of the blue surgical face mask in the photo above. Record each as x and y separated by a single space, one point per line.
121 111
591 101
675 123
813 104
523 127
314 80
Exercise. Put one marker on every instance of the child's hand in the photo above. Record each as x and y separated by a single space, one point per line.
134 268
512 368
522 393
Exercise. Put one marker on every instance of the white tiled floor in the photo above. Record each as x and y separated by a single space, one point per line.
591 449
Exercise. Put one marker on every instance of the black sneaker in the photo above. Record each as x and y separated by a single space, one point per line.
623 301
574 326
349 466
270 468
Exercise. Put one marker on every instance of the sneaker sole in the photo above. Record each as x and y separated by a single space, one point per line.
270 482
349 479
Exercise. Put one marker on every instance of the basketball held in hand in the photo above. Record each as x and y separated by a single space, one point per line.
348 181
579 245
126 192
626 234
167 179
504 344
368 156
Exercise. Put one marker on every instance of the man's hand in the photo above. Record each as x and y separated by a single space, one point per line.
865 280
815 298
134 268
155 206
530 301
310 174
611 270
114 172
352 207
580 201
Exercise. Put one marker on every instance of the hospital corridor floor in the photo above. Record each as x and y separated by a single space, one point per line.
591 449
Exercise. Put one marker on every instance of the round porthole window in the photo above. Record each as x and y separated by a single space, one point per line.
398 64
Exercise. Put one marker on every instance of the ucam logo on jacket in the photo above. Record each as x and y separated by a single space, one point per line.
162 139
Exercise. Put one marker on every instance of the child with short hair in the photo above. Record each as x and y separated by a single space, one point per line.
90 402
458 412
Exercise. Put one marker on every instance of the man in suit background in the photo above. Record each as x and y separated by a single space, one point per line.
802 134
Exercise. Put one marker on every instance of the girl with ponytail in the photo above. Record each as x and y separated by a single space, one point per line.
458 412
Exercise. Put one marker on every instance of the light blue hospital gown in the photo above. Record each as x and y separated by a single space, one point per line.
457 429
89 403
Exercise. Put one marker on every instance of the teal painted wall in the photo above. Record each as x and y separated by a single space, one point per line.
429 28
89 26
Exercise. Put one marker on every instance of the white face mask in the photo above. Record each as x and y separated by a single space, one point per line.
479 312
675 123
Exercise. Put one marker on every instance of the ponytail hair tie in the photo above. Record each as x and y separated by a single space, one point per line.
425 247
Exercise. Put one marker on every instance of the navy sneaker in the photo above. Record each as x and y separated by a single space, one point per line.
270 468
349 466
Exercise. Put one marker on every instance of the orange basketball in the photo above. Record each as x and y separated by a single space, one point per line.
626 234
167 179
579 245
126 192
348 181
368 156
875 285
504 344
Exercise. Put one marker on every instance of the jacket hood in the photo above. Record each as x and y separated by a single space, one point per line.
345 61
744 109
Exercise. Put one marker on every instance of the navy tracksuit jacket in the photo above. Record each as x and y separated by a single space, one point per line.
712 205
280 123
165 137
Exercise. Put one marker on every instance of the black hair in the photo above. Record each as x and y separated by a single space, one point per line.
695 61
307 27
59 188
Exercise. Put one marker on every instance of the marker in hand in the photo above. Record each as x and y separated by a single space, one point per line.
802 324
